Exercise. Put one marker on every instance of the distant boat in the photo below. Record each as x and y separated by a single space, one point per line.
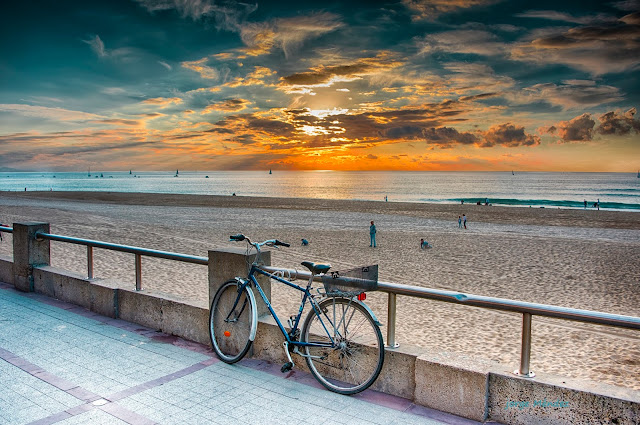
639 174
177 172
272 173
101 175
512 173
129 171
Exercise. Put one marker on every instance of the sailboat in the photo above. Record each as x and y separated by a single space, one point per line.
512 173
639 174
129 171
270 171
177 172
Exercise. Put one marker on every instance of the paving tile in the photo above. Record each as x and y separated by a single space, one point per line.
61 358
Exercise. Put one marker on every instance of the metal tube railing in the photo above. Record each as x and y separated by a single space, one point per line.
90 261
525 354
393 289
139 252
525 308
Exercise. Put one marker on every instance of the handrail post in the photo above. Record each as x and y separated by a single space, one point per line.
525 354
391 318
138 272
90 261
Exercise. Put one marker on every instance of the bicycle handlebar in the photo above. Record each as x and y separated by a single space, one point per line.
271 242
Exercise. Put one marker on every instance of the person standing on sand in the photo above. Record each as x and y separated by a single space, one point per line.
372 235
464 220
459 222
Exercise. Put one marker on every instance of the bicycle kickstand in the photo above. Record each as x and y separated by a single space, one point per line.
289 365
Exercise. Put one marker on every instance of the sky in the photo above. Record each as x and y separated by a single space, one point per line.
334 85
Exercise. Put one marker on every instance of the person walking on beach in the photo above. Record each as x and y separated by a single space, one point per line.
372 234
464 220
459 222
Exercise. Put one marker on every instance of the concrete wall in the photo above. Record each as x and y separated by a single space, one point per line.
450 382
6 269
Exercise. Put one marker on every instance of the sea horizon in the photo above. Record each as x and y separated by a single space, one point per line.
540 189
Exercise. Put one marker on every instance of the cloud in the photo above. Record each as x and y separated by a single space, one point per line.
326 76
447 136
578 129
226 14
97 46
163 102
257 77
597 49
632 18
227 105
570 94
287 34
618 123
508 135
566 17
199 66
55 114
463 41
119 122
166 65
431 9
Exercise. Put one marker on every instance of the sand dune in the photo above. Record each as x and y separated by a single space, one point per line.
574 258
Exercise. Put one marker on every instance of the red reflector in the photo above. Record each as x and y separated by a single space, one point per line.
362 297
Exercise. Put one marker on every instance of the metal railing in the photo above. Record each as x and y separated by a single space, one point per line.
525 308
392 289
137 251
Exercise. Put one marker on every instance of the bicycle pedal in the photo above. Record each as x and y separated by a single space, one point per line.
286 367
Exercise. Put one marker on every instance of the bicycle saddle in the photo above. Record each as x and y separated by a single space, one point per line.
316 268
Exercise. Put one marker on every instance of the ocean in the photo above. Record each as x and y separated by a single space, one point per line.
615 191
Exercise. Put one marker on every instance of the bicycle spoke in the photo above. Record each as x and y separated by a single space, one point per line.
353 364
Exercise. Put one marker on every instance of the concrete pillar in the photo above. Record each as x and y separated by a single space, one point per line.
225 264
28 253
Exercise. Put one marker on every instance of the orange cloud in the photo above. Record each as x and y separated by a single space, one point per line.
163 102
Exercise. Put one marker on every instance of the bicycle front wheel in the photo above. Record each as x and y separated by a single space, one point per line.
231 321
353 354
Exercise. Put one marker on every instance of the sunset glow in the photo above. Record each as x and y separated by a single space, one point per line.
407 85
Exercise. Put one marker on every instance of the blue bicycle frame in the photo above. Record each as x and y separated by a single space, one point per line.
307 296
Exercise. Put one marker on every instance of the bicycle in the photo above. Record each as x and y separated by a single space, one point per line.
340 338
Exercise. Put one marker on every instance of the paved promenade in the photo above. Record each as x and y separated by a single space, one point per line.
62 364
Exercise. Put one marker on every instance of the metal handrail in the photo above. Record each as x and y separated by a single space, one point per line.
139 252
527 310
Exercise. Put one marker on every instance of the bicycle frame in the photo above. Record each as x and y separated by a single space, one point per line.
307 296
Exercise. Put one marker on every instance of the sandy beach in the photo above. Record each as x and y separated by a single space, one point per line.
584 259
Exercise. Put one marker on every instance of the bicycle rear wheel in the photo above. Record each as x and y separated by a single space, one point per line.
231 321
356 356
